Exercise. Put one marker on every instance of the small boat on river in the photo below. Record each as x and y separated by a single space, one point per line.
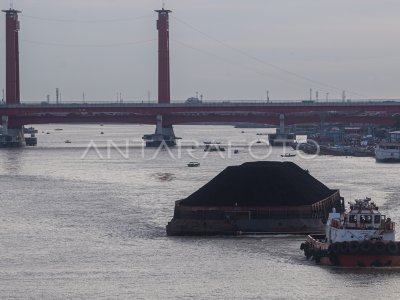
213 147
362 237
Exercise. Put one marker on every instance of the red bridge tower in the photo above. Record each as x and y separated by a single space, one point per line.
11 137
12 57
164 134
164 95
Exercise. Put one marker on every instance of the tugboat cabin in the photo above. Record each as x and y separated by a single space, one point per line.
364 214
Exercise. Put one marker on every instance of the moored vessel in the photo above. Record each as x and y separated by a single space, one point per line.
336 150
361 237
389 150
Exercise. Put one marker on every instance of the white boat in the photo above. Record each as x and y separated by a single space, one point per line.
362 237
389 151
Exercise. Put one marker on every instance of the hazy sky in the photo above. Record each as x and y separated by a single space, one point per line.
223 49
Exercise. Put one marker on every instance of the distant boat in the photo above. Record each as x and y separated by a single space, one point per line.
193 164
236 151
288 155
102 132
68 142
356 151
211 142
213 148
58 129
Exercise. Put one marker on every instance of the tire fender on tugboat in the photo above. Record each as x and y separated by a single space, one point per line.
354 247
365 247
344 247
379 247
392 248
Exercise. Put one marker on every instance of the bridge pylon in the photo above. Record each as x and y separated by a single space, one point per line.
12 136
164 134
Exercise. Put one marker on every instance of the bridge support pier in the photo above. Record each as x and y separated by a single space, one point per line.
11 137
163 136
281 138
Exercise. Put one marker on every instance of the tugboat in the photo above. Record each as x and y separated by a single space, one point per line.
362 237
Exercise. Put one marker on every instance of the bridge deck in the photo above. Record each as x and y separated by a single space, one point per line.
362 112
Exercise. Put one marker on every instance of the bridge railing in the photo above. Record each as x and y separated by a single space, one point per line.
206 104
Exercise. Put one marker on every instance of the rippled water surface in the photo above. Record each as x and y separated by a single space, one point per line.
87 224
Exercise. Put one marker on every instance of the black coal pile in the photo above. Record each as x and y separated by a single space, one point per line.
260 184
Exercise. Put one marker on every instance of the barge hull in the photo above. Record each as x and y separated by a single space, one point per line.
189 227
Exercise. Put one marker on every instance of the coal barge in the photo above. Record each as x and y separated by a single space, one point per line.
257 198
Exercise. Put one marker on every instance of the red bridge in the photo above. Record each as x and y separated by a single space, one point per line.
15 115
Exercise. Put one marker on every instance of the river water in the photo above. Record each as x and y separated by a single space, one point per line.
87 221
